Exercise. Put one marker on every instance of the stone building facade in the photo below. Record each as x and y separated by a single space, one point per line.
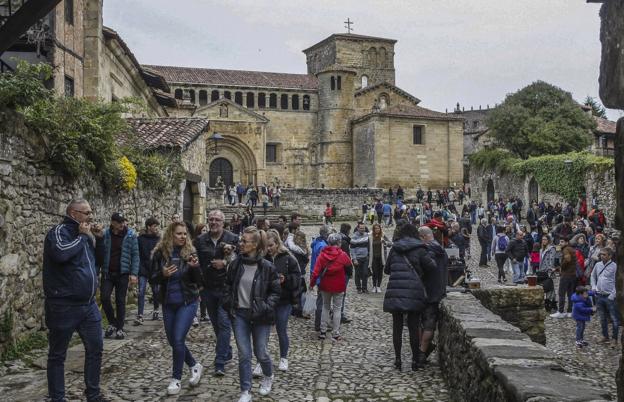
323 128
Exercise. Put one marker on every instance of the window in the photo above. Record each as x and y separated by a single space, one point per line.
475 124
364 81
332 83
238 98
250 100
192 95
306 102
69 86
69 12
262 100
284 101
418 135
273 101
178 94
339 83
271 152
295 102
227 95
214 96
203 97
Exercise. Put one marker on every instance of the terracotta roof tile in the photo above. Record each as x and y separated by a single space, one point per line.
417 111
605 126
167 131
209 76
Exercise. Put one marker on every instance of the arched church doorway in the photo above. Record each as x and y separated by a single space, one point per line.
533 190
221 167
490 190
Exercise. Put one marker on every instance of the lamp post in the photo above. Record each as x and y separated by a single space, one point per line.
215 138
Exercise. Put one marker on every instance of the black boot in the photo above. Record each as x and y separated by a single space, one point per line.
398 364
418 361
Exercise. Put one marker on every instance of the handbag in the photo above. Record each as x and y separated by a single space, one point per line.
309 306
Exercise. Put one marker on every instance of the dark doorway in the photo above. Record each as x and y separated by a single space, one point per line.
221 167
533 190
187 203
490 190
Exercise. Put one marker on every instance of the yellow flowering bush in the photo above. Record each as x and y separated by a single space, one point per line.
128 174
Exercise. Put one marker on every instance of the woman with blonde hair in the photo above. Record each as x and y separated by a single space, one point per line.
252 291
176 269
377 260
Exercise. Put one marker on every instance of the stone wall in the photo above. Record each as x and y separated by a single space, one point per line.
487 359
598 185
32 200
522 307
311 202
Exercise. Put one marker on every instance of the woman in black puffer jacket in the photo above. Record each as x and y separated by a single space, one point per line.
408 265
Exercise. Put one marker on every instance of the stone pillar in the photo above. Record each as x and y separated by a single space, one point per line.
244 99
93 48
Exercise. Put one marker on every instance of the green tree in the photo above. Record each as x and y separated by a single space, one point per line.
597 109
540 119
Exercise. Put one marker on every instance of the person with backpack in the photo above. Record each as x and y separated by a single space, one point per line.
517 251
567 281
408 265
499 252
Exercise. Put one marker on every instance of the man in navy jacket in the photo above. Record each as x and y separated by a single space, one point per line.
70 280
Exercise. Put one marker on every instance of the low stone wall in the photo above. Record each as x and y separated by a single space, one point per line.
520 306
485 358
32 200
311 202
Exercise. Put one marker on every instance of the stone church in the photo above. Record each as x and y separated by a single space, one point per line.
343 124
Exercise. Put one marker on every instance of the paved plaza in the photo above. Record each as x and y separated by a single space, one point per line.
358 368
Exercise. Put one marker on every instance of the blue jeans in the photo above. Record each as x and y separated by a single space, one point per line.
244 332
282 312
141 297
62 321
518 271
604 307
580 330
473 217
178 319
221 325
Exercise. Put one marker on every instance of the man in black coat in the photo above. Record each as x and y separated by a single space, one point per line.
484 234
517 250
147 242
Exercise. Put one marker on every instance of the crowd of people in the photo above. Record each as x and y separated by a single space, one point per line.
249 274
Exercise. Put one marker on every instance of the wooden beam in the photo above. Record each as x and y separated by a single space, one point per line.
27 15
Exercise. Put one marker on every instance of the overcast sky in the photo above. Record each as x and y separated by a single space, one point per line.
468 51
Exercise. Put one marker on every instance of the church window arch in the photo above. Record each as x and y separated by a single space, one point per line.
384 101
238 98
250 100
262 100
364 81
295 102
332 83
273 101
306 102
227 95
372 56
214 96
203 97
383 56
178 93
284 101
339 83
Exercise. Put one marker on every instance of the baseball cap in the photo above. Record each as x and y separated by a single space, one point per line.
118 217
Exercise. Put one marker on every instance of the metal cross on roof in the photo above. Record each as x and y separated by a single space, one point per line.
348 24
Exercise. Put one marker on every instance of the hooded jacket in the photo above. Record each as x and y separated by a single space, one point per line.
129 261
436 284
581 308
70 274
265 291
406 291
287 265
147 242
338 265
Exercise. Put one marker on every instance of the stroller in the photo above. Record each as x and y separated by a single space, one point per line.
546 280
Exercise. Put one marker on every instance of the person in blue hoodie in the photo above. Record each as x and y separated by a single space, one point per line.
70 281
118 251
582 311
318 244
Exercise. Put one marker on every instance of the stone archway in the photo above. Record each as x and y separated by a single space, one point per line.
533 191
490 190
236 157
220 168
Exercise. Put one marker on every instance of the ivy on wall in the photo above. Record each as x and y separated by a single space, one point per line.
561 174
81 136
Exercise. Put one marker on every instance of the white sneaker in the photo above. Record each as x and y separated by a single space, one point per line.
245 396
196 373
257 372
195 322
283 365
174 387
558 315
265 385
568 315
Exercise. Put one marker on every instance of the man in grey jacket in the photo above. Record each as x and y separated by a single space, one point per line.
359 257
603 284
